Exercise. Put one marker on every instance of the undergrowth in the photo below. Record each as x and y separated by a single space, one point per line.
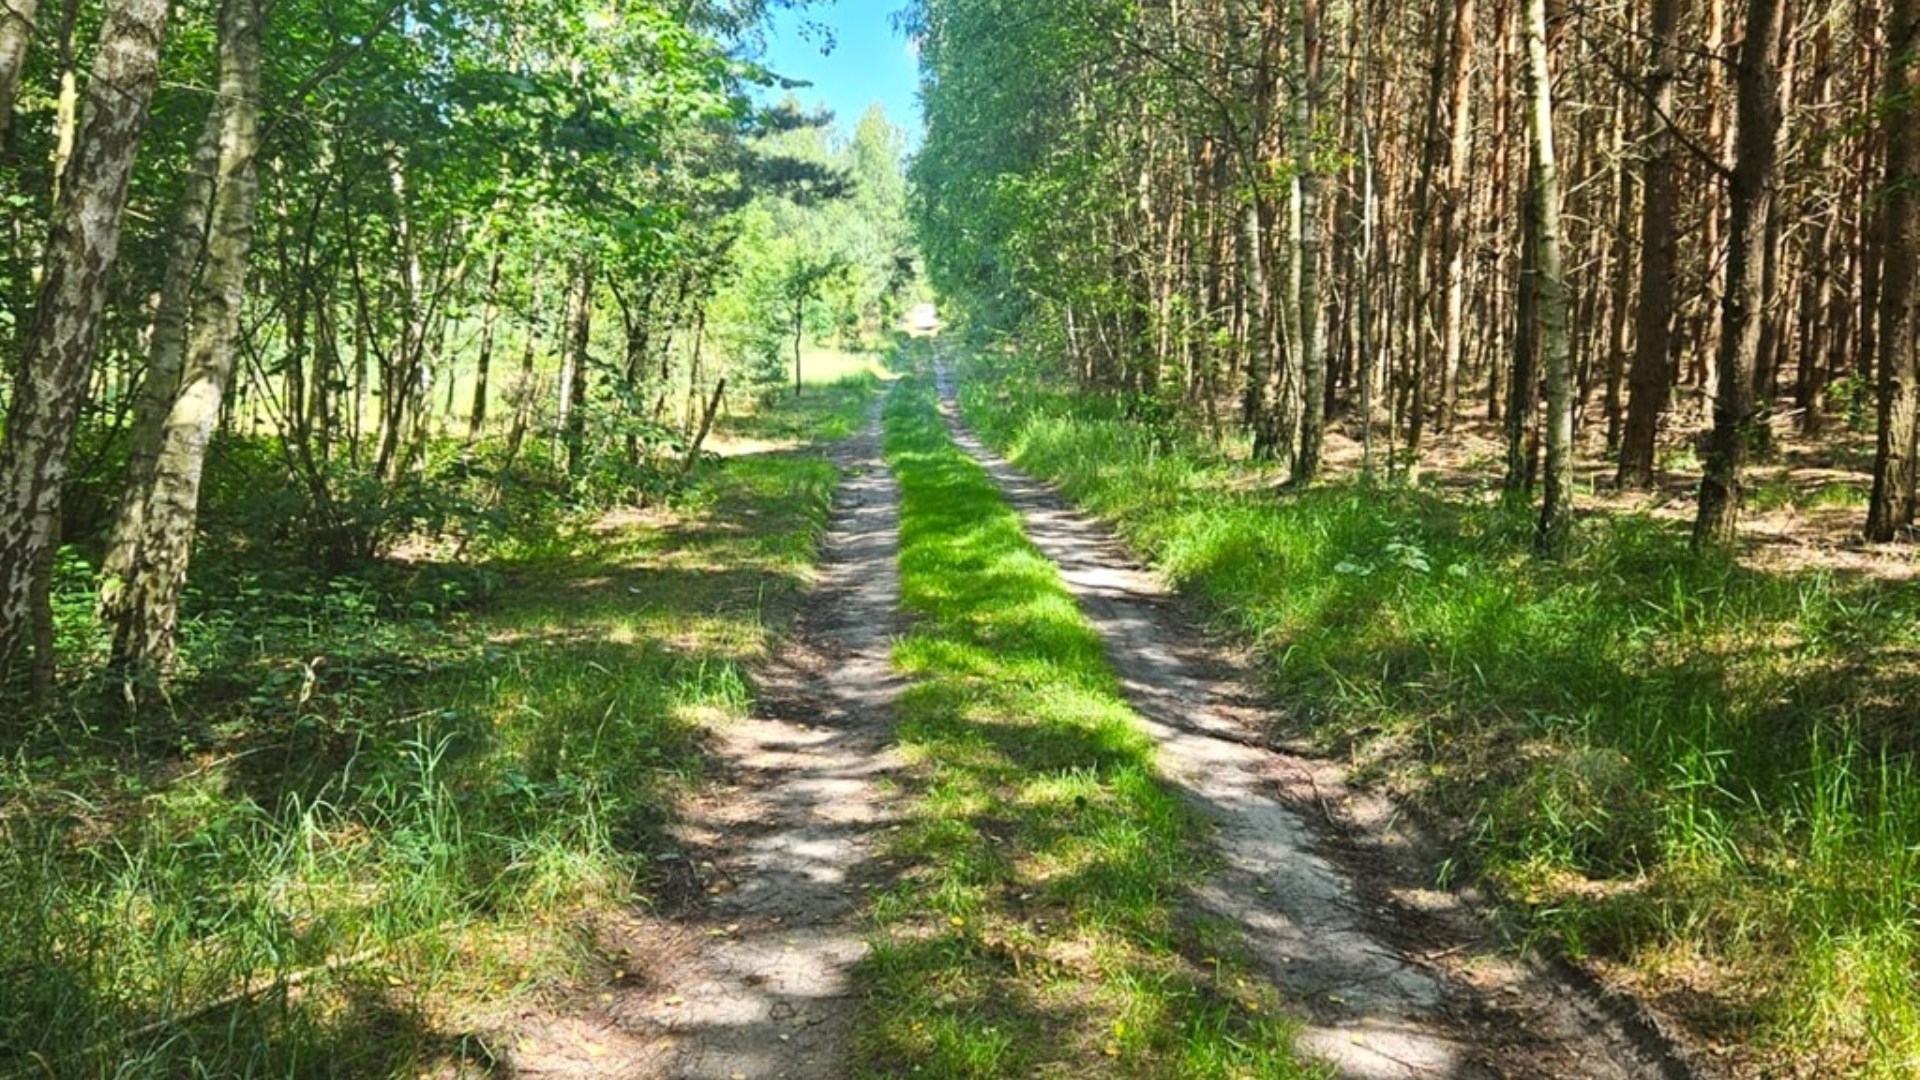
382 804
1037 930
1695 771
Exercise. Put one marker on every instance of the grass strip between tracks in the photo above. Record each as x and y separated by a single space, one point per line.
1039 928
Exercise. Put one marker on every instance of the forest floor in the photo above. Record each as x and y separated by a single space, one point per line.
1804 508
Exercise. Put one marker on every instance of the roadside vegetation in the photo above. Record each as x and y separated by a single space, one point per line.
1694 775
384 805
1038 925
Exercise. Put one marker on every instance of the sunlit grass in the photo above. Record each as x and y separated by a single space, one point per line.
821 365
1670 764
825 411
376 815
1039 929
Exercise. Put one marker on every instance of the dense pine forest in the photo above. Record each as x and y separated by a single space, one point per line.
1268 538
1609 227
1533 384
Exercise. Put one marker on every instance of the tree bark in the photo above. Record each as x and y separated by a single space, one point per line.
1742 309
1453 242
1892 506
1313 360
166 359
579 358
58 348
145 618
483 366
1651 379
1551 301
16 31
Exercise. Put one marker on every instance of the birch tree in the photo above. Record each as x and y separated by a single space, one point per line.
1551 300
58 348
154 540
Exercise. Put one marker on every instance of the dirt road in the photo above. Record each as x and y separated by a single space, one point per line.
1394 980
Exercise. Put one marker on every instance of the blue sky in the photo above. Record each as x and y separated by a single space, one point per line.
868 62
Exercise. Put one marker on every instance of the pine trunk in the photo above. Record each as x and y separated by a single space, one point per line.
1743 308
1892 508
1651 377
1453 242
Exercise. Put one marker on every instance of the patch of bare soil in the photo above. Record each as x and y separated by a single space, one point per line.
745 974
1394 980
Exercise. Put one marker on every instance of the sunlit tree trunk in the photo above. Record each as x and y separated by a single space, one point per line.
1453 244
16 31
145 618
166 359
1313 360
1551 301
57 350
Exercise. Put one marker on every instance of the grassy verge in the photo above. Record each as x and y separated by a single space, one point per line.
1696 775
388 804
1038 930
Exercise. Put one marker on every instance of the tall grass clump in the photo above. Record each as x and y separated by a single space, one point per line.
1038 927
1681 768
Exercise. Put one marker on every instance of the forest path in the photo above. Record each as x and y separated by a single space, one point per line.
744 971
789 839
1396 981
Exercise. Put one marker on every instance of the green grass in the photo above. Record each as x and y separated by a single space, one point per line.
823 412
383 807
1694 771
1776 493
1038 929
824 366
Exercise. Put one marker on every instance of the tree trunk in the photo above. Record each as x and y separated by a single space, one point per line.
166 359
16 30
1453 241
1551 301
579 357
146 616
1651 379
1743 307
483 369
57 352
1312 404
1892 508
